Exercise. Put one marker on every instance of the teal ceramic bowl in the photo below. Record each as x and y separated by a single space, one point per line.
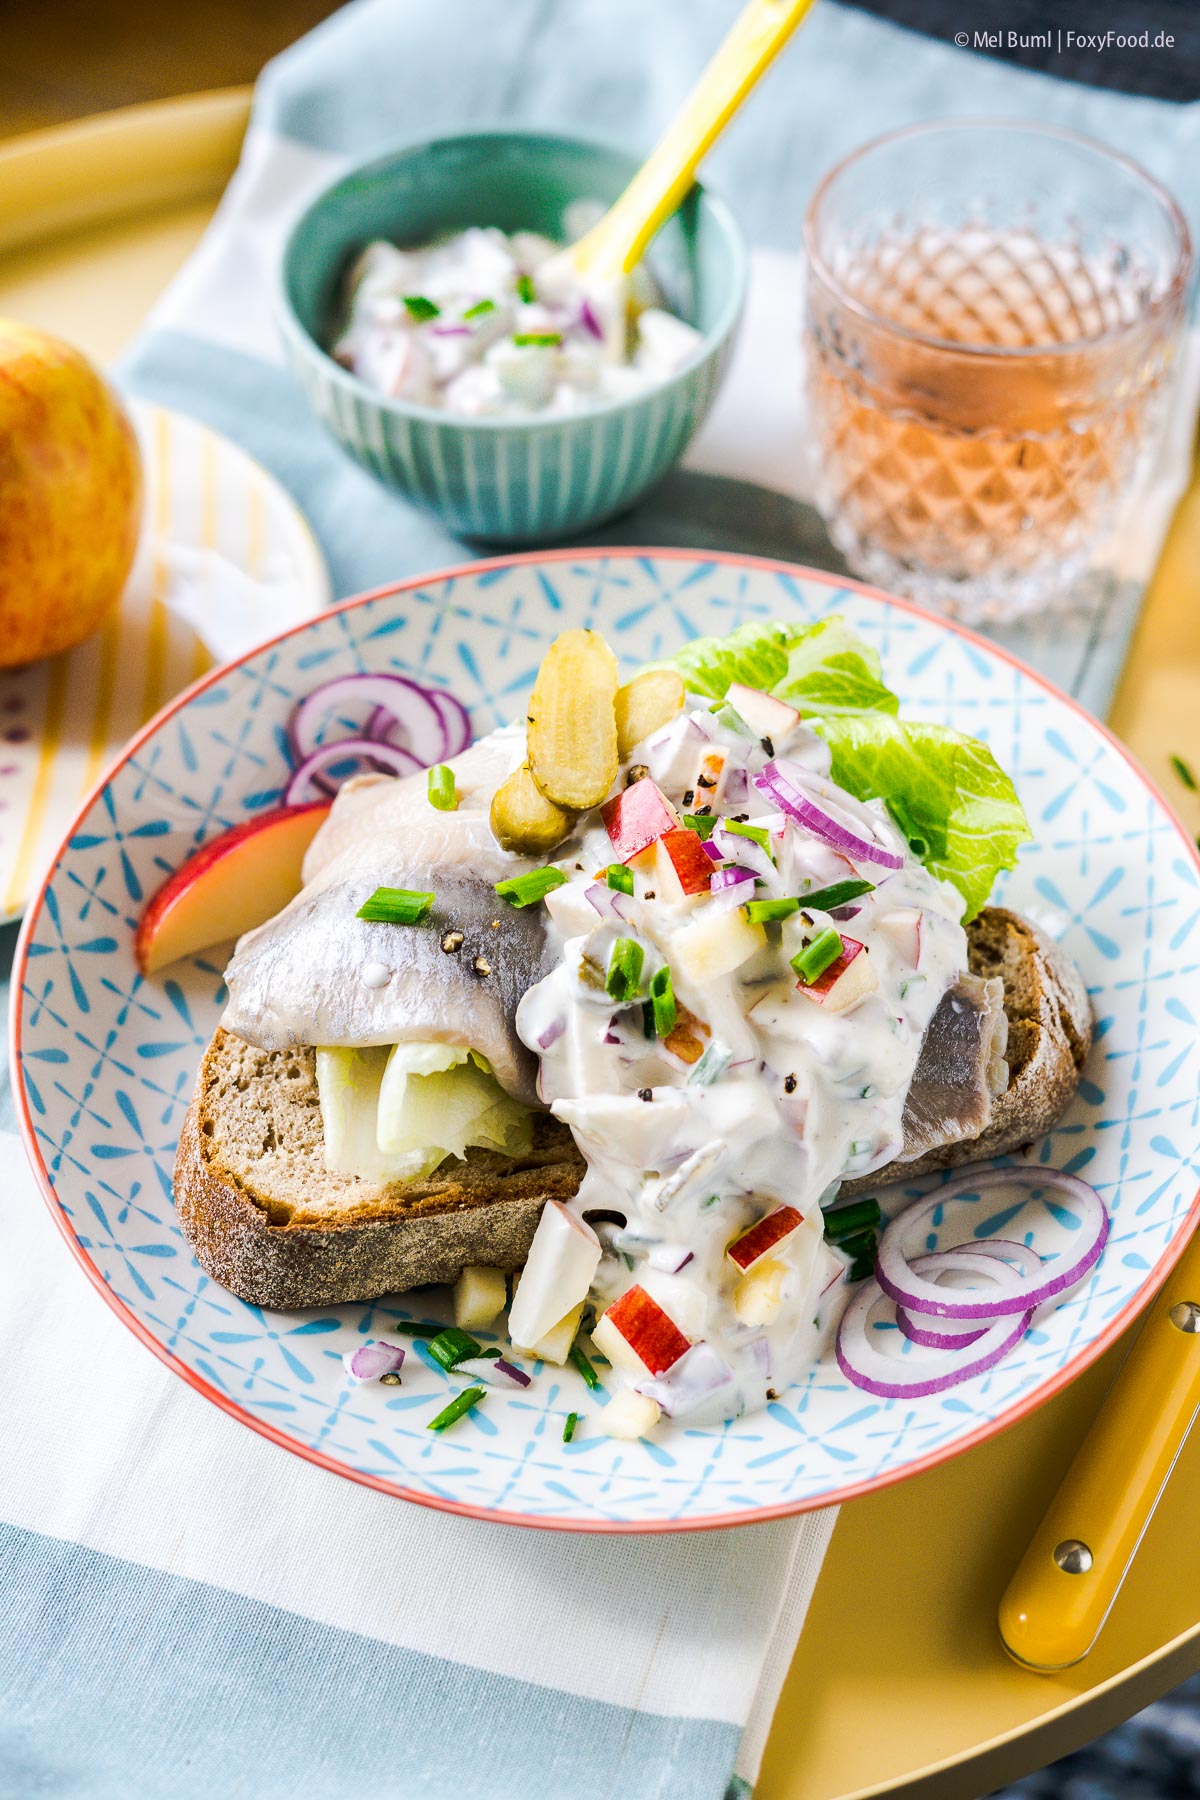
508 481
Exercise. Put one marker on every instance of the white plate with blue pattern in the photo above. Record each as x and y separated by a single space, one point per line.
105 1061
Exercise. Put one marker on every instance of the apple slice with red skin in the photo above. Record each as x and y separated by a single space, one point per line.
637 817
636 1334
766 716
764 1236
683 863
903 927
231 884
846 981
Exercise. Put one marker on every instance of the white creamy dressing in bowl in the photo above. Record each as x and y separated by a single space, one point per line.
774 1097
478 324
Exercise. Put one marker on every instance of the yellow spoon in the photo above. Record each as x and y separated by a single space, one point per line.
615 244
1055 1606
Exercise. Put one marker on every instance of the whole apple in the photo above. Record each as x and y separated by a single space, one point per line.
70 495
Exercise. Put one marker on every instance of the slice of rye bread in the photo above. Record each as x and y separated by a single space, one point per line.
267 1220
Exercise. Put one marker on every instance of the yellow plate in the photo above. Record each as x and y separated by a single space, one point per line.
899 1683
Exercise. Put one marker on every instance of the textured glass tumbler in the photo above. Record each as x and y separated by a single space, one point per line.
992 314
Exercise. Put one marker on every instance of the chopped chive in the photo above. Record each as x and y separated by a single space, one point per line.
442 792
395 906
862 1269
541 340
662 1002
712 1065
525 289
759 911
480 308
453 1346
847 1221
701 823
572 1421
862 1246
825 899
624 969
462 1403
1184 773
619 877
527 890
811 962
420 308
756 833
421 1331
584 1367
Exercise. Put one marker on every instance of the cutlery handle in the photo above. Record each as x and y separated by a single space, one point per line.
1057 1601
757 35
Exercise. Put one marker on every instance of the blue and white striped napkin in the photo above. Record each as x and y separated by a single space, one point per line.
189 1611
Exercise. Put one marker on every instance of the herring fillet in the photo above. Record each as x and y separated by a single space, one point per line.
960 1069
298 979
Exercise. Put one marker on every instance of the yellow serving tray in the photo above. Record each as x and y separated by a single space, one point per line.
900 1682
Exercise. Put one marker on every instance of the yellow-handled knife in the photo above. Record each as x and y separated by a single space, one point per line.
1055 1606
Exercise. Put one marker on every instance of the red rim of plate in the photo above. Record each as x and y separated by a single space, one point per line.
1038 1396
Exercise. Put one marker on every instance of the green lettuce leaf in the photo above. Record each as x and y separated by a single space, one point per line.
949 796
954 804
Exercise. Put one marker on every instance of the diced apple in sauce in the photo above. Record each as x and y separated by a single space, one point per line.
845 982
230 885
638 1336
764 1236
555 1347
480 1296
683 867
716 944
558 1272
630 1415
710 778
637 817
766 716
903 928
758 1296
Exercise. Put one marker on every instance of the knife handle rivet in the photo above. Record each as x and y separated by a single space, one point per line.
1185 1315
1073 1557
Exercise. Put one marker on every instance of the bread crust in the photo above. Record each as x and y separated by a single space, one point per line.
403 1235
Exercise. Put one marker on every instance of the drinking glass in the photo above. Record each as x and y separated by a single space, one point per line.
992 314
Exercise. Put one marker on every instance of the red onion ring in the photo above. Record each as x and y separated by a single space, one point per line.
306 782
901 1281
993 1258
812 802
911 1378
411 707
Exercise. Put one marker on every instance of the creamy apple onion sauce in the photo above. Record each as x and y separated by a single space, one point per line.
482 323
763 1097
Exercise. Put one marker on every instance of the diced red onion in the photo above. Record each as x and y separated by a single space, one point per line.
831 814
710 849
307 783
551 1034
898 1280
450 331
730 888
745 851
418 721
911 1377
372 1360
589 321
610 903
670 1258
735 790
697 1380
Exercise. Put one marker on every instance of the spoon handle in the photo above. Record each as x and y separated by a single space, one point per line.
616 243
